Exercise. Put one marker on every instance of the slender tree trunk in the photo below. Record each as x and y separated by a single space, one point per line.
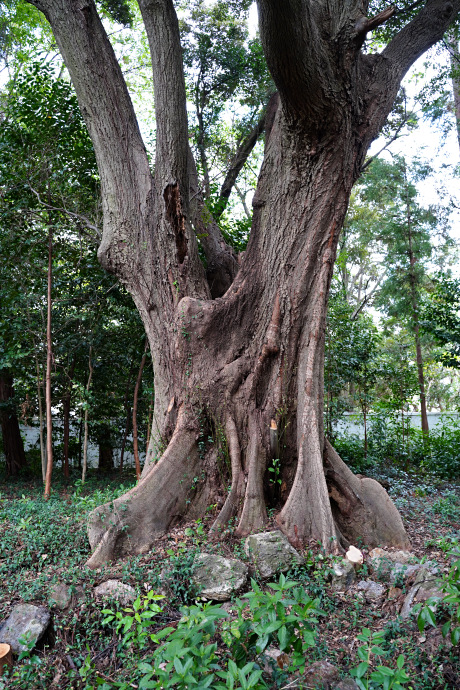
127 410
40 417
13 446
85 426
149 426
66 417
49 364
455 77
415 312
365 431
135 401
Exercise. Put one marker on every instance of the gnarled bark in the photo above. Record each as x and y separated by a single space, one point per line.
255 352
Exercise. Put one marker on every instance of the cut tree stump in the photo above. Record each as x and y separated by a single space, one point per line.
6 658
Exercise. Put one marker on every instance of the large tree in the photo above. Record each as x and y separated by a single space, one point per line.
248 360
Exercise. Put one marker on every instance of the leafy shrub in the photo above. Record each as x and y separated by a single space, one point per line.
450 586
392 442
133 622
383 676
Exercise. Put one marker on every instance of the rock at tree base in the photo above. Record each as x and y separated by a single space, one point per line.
343 575
63 596
115 589
218 578
373 591
321 674
394 567
391 566
426 586
25 621
271 553
346 684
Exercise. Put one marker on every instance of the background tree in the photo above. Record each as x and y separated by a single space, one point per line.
441 318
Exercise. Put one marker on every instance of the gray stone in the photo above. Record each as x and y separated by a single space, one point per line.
392 566
271 553
218 578
343 575
394 556
25 621
421 591
115 589
321 674
64 596
60 596
402 572
346 684
373 591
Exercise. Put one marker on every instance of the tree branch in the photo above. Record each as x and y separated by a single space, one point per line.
297 54
239 159
426 29
83 219
380 75
126 180
364 25
162 29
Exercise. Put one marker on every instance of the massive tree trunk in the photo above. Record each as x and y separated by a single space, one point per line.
13 446
255 353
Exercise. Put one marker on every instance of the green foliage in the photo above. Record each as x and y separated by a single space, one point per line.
284 616
450 587
448 505
383 676
180 569
395 442
37 537
441 318
350 359
118 10
134 622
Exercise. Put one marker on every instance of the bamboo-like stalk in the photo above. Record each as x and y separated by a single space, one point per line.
49 362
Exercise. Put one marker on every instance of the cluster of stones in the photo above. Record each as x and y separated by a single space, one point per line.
219 579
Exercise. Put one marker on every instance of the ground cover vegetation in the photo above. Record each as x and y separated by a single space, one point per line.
210 349
182 641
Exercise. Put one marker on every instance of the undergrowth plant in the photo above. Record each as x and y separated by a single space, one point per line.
134 622
450 587
383 676
284 617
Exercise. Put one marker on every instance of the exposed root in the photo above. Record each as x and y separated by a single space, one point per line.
362 508
307 513
235 497
254 515
132 522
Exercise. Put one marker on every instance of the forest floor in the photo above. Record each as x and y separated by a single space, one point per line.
45 543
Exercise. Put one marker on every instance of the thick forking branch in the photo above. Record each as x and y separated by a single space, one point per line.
109 115
364 25
162 29
382 74
296 54
239 159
